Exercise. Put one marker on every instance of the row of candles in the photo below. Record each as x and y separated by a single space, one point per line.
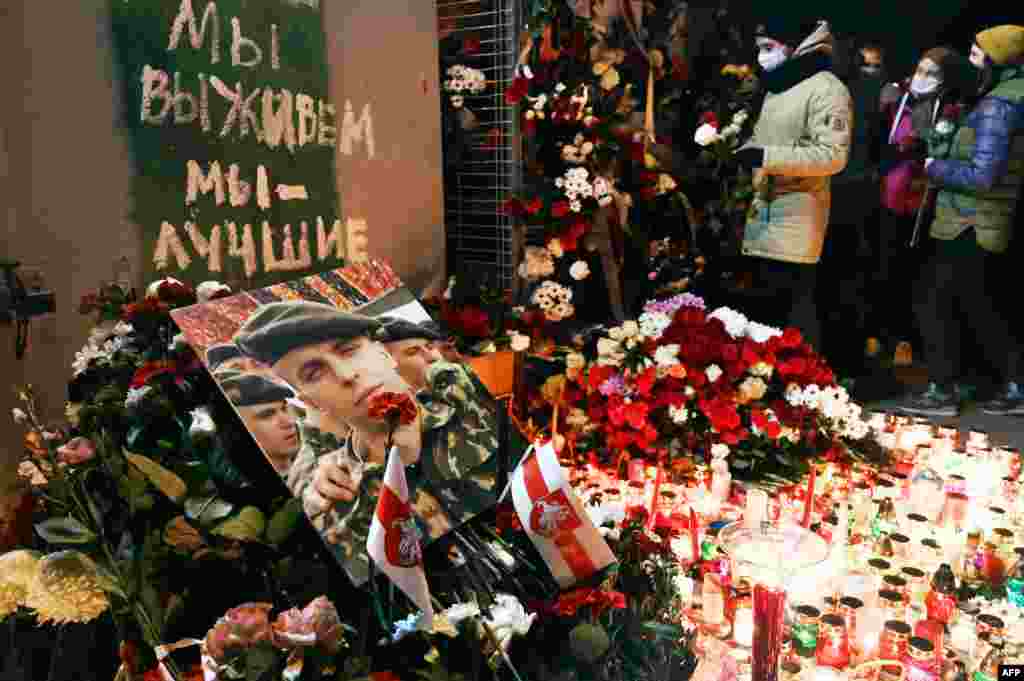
909 547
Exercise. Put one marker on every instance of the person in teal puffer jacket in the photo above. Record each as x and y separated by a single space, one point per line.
977 165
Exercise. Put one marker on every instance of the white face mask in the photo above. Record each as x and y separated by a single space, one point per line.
771 59
924 85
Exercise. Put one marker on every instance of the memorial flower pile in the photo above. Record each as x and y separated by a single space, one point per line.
683 381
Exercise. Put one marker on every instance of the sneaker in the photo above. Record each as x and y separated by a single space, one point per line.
1008 402
933 401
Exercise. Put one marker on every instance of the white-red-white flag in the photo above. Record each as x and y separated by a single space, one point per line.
394 540
555 520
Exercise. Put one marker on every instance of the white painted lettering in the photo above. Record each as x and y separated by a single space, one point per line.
186 109
238 41
197 37
262 188
278 123
353 131
326 127
238 189
329 245
198 182
206 248
167 245
305 108
245 250
154 86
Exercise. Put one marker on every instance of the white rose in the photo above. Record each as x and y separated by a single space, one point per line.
713 372
560 88
519 342
19 415
208 289
151 291
719 451
706 134
579 270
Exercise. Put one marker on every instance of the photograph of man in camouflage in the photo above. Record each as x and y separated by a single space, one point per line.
337 361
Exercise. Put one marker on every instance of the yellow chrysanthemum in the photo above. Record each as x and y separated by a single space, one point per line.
18 569
67 589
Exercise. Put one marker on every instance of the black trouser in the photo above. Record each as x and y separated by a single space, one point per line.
844 271
952 298
896 269
784 295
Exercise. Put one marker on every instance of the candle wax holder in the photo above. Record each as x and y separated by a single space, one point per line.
772 555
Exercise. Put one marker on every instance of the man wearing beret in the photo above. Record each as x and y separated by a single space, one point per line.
337 363
263 406
413 347
227 356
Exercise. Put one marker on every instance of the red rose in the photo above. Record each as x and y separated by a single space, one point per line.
471 321
571 236
534 206
513 207
791 338
471 44
396 407
517 89
559 209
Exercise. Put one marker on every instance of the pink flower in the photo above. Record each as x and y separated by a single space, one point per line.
242 627
76 451
316 624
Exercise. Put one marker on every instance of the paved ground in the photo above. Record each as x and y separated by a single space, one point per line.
1001 429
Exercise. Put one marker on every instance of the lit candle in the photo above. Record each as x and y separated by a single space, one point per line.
695 544
756 510
743 626
809 498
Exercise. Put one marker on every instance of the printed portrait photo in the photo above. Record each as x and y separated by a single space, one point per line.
302 362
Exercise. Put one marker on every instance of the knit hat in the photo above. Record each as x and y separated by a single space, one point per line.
788 31
278 328
218 354
1003 44
400 329
249 390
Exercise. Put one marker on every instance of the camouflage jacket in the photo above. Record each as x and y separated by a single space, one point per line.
315 443
456 469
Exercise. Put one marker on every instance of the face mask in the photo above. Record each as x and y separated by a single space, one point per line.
771 59
871 70
924 85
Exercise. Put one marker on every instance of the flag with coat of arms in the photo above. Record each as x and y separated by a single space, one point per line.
393 542
555 520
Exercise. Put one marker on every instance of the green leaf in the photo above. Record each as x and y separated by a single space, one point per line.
741 464
207 510
284 522
64 531
258 661
151 601
671 631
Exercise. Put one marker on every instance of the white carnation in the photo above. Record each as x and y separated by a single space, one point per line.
653 324
761 333
713 372
735 322
706 134
579 270
667 355
679 415
719 450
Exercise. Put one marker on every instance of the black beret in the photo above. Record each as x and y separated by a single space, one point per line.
218 354
278 328
246 390
399 329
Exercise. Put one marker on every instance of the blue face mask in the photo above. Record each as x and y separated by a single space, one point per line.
771 59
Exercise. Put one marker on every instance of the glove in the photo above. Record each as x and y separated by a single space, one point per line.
750 158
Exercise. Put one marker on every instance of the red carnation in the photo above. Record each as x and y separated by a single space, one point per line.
791 338
534 206
513 207
397 408
571 236
559 209
710 118
471 44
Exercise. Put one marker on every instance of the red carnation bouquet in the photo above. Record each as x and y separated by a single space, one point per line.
680 381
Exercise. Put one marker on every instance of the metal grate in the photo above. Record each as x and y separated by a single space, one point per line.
479 238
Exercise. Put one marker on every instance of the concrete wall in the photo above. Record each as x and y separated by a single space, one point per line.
64 163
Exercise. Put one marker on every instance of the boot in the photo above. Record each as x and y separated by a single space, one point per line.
1009 401
934 400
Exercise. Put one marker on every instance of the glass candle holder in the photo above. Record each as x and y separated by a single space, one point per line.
917 582
989 624
901 486
900 546
894 582
879 568
833 648
895 637
892 604
919 660
743 623
849 607
963 632
935 632
805 630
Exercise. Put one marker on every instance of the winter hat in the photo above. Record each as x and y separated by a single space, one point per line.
787 30
1003 44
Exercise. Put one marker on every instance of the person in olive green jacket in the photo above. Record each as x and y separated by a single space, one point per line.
801 138
977 164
